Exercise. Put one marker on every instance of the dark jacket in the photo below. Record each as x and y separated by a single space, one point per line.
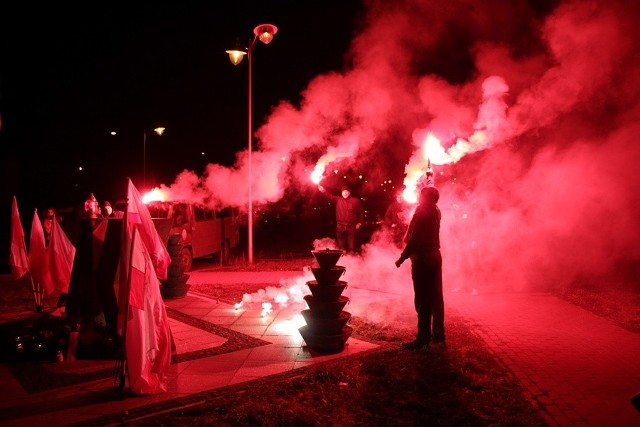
349 211
423 236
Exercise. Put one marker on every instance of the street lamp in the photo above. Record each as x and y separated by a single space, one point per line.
264 33
159 131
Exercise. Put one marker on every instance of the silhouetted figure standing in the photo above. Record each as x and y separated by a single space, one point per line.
423 247
395 222
349 218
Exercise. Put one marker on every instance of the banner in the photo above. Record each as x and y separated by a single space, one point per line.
18 256
138 213
38 261
60 254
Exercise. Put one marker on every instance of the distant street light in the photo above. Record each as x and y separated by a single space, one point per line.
264 33
159 131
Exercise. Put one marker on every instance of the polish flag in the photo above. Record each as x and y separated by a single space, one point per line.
138 213
18 257
38 262
148 336
142 318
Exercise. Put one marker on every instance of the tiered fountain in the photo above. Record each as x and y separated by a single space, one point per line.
326 330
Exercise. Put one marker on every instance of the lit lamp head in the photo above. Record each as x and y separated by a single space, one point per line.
265 32
237 53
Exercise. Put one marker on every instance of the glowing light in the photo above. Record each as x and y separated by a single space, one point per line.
434 151
418 170
318 171
291 326
113 133
155 195
265 32
80 168
236 55
409 195
266 308
283 158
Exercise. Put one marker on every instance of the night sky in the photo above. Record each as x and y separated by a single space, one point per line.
69 76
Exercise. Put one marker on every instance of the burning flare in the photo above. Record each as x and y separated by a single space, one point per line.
318 171
155 195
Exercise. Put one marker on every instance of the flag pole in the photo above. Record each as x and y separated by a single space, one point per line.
40 295
124 289
35 294
123 344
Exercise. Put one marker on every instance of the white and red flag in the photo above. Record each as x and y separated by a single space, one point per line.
148 336
138 213
38 261
142 321
18 256
60 255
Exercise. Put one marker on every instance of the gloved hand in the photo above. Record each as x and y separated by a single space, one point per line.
399 262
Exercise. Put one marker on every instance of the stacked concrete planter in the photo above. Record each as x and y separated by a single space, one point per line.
326 327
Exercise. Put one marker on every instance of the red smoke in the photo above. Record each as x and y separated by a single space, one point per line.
546 98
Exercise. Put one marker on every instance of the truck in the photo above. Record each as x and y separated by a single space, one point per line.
194 231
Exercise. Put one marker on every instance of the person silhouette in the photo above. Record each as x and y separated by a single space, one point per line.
349 218
107 210
423 248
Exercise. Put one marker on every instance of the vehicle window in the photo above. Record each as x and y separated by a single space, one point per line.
179 215
158 210
203 213
199 213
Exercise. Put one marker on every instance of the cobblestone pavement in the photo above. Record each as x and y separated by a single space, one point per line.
579 368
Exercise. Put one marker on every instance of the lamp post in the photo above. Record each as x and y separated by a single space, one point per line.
264 33
159 131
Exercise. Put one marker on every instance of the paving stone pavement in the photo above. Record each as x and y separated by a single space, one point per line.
259 345
579 368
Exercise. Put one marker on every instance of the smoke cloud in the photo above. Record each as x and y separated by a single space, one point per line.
536 107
